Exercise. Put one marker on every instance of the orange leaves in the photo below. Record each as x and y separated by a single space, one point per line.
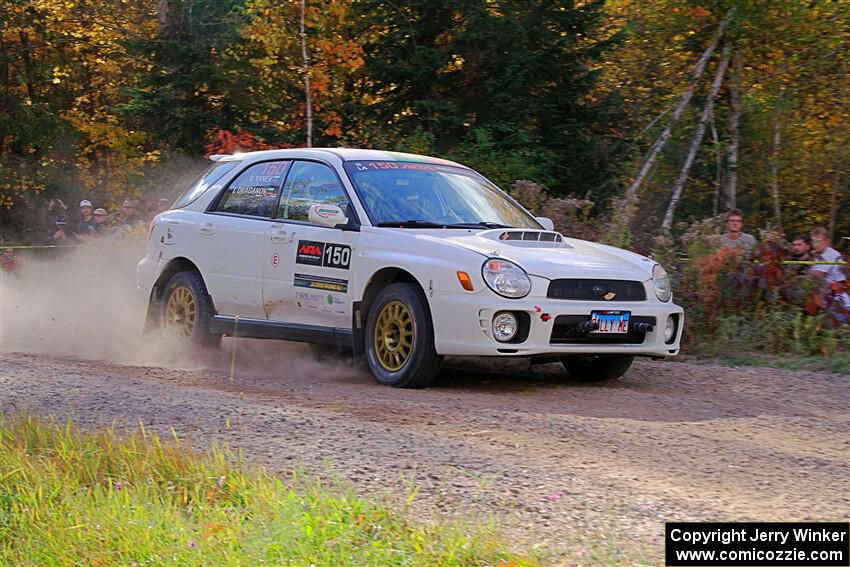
699 12
227 142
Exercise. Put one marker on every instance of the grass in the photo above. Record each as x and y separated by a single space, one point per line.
71 498
776 339
838 363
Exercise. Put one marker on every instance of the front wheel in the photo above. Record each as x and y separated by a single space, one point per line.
186 310
597 367
400 338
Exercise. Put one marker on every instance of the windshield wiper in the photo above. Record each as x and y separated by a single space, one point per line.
480 224
410 224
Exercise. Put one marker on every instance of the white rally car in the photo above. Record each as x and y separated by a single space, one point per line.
402 258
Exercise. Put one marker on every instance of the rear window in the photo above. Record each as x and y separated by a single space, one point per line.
207 179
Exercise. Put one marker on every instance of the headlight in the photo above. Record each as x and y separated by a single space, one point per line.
506 278
661 283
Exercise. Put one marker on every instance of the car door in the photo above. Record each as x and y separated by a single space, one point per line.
234 232
307 274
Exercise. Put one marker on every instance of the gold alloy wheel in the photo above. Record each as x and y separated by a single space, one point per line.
394 335
181 311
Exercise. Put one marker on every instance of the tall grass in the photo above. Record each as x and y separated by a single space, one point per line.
68 498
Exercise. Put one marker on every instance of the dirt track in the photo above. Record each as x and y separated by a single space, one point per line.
557 463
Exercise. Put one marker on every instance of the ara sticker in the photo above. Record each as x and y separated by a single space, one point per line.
323 254
275 260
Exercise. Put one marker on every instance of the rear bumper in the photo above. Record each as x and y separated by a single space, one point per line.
147 271
462 326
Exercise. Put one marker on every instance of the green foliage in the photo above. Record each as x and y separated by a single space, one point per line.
106 499
777 332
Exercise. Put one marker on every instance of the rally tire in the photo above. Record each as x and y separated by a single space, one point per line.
185 310
399 338
597 367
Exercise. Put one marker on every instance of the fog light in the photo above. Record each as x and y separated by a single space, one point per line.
669 329
505 326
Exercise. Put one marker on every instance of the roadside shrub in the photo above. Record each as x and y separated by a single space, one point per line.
571 215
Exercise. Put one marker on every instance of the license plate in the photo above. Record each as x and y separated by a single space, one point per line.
611 322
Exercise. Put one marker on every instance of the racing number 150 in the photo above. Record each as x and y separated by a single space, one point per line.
337 256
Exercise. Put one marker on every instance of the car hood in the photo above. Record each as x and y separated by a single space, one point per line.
547 254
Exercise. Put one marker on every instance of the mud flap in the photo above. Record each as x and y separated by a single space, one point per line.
152 315
358 326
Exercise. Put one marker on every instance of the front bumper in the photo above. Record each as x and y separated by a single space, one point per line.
462 326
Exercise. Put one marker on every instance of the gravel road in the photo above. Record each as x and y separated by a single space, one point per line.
557 464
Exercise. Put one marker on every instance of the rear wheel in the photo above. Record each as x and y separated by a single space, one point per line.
597 367
186 310
400 338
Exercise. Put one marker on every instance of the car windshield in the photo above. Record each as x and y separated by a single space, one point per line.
424 195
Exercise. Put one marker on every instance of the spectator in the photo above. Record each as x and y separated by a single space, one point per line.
734 237
54 207
85 226
837 299
100 217
60 234
9 261
824 252
800 252
129 214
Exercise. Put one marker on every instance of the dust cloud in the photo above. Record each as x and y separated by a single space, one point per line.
83 303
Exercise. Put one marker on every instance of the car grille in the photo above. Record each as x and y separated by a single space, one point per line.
566 332
596 290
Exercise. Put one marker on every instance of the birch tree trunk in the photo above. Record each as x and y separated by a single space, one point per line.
308 97
833 200
718 162
734 133
774 158
696 140
649 161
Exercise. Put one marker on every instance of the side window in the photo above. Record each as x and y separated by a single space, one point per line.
308 184
213 173
255 191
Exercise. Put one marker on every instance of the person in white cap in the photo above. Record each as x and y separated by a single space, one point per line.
85 226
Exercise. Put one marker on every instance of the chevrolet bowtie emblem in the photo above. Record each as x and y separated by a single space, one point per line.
609 296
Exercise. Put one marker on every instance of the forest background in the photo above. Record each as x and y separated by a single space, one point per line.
634 122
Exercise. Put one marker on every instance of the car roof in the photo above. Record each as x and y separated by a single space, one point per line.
343 154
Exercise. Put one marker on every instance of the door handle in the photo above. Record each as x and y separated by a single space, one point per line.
281 236
207 228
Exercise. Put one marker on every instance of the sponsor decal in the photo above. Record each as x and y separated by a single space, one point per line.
310 281
275 260
309 252
169 236
325 213
323 254
327 303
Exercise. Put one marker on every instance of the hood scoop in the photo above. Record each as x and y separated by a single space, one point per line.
528 238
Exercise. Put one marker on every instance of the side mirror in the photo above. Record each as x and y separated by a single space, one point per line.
546 222
327 215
